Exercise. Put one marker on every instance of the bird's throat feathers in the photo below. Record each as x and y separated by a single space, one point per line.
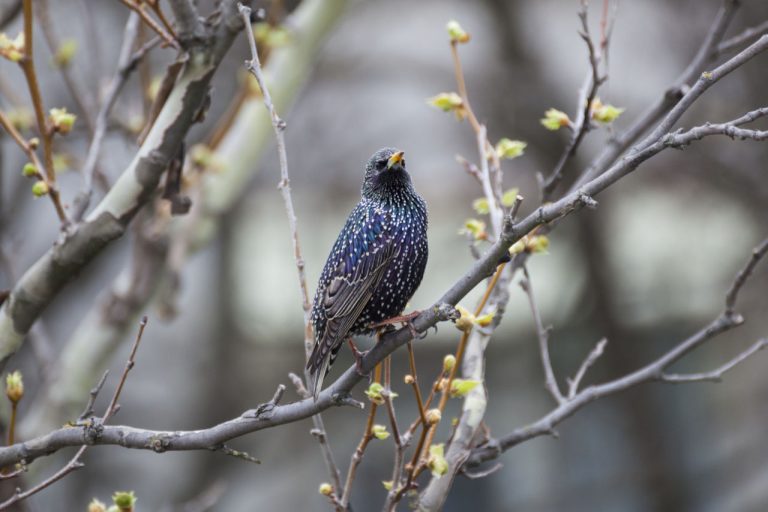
392 186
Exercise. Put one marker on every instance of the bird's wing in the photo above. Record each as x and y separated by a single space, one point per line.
344 299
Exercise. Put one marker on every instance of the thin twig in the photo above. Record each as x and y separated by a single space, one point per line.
357 456
550 382
46 133
415 385
93 394
715 375
126 63
254 66
49 34
112 408
75 463
655 370
169 38
587 95
741 278
594 355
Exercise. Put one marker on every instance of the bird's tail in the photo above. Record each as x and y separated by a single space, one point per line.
320 372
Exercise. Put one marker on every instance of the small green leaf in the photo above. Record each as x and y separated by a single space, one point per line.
374 393
480 205
508 199
379 432
387 484
604 113
65 53
474 227
509 149
460 387
446 101
555 119
436 461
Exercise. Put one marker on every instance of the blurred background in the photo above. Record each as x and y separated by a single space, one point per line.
649 267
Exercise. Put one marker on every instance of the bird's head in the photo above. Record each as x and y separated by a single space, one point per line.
385 174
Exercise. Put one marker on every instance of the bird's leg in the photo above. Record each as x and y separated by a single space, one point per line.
402 319
358 355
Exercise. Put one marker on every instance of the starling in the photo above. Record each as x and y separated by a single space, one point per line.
375 265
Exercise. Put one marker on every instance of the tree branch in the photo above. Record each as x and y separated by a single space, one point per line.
42 282
655 370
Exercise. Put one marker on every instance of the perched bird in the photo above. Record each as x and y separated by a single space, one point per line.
375 265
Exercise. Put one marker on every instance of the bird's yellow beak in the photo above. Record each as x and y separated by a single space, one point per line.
395 159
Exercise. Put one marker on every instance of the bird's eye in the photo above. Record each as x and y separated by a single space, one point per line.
383 162
402 162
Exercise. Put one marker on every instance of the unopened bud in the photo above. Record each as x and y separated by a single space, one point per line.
40 188
96 506
408 379
433 416
124 500
29 170
14 386
325 489
449 362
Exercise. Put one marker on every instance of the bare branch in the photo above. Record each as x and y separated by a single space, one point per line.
279 126
757 254
124 67
550 382
594 355
653 371
669 99
136 185
715 375
587 96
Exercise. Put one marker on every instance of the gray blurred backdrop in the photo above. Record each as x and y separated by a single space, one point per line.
647 268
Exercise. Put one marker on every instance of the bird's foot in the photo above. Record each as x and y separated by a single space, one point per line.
358 355
402 319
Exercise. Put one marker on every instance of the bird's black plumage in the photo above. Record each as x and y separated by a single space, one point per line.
375 265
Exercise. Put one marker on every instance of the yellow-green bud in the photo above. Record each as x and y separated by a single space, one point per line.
12 49
449 362
555 119
480 205
61 120
40 188
29 170
65 53
456 33
466 320
509 197
603 113
96 506
124 500
436 461
379 432
433 416
325 489
387 484
509 149
460 387
449 102
14 386
538 243
374 393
